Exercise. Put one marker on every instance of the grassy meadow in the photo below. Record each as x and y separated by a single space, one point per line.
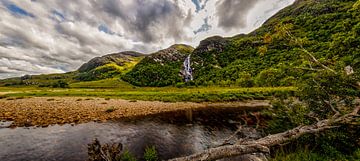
115 88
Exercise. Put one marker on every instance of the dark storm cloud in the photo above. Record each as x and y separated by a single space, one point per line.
232 13
147 19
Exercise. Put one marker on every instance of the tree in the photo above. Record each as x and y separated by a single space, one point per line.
60 84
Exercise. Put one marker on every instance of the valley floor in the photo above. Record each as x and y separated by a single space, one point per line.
44 111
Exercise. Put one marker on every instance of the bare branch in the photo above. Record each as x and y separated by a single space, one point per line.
256 115
308 53
337 113
316 61
313 116
226 141
225 152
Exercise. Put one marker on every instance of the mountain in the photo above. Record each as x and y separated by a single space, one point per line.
108 66
117 58
161 68
272 55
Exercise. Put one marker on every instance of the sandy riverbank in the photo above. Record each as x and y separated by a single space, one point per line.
44 111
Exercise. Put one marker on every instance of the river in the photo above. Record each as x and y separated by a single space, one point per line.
173 135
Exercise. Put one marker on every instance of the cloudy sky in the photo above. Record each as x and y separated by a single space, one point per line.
55 36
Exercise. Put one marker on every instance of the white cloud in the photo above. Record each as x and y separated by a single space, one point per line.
61 35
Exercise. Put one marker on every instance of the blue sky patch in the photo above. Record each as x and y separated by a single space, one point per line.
204 27
105 29
59 16
16 10
197 5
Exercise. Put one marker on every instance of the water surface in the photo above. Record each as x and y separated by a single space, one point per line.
172 134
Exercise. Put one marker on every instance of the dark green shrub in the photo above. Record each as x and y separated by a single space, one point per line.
269 78
150 154
180 85
127 156
60 84
245 80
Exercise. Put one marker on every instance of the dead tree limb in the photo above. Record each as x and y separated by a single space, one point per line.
312 57
225 152
263 144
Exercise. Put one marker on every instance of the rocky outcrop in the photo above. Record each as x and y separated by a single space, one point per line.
175 53
215 43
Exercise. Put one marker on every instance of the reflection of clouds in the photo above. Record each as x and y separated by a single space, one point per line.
47 36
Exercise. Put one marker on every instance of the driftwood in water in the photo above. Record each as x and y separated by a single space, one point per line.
98 152
262 145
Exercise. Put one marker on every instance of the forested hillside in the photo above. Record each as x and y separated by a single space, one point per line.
161 68
273 55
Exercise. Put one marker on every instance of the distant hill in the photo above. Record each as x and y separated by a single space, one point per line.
104 67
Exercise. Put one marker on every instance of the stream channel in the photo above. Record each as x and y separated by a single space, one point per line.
173 134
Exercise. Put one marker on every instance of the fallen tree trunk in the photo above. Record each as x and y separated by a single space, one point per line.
262 145
225 152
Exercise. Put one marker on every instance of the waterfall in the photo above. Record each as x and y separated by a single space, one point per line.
187 70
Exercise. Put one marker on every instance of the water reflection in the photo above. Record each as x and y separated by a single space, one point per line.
171 133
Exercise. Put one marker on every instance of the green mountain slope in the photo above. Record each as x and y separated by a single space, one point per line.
267 57
161 68
108 66
117 58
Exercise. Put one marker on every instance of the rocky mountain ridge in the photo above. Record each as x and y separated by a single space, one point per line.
117 58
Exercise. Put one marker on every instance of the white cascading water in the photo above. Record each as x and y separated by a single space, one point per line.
187 70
